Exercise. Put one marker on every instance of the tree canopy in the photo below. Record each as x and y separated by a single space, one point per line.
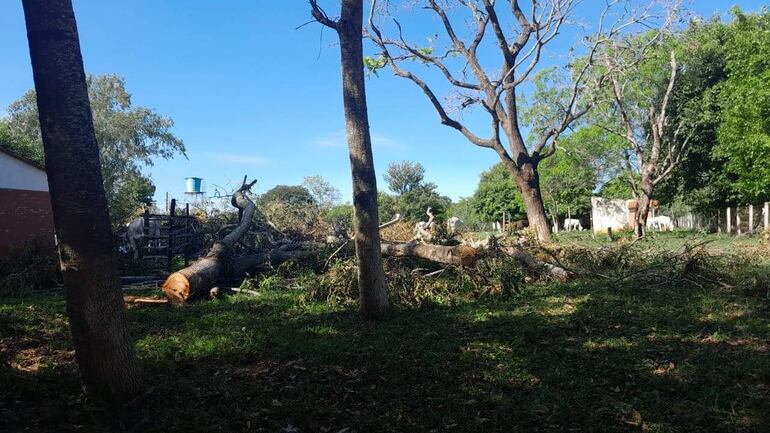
497 193
744 99
725 88
289 194
413 194
324 194
129 137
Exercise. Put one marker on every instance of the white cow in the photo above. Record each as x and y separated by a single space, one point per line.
572 224
660 223
454 224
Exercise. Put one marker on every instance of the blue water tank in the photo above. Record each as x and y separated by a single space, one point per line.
193 185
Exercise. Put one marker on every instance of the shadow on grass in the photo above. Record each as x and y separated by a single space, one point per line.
557 358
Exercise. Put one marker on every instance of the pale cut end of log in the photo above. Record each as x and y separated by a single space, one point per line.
177 288
467 255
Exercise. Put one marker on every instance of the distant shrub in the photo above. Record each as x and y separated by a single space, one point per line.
300 221
340 216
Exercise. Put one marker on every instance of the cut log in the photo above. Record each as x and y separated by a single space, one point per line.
195 280
460 255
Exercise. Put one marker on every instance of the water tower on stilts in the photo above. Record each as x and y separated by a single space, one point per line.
194 191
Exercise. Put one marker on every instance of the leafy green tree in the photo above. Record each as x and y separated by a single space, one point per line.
567 185
699 180
497 193
129 137
465 209
617 187
584 159
726 83
405 176
324 193
643 72
497 87
413 194
744 129
289 194
340 216
18 144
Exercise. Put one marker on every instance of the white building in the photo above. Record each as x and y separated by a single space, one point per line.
25 205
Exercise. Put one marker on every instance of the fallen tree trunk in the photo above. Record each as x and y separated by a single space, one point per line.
459 255
531 263
195 280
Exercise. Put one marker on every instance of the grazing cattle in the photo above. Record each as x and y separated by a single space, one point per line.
454 224
572 224
135 235
661 223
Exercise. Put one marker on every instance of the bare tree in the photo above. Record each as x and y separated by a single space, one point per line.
371 278
521 51
644 124
104 350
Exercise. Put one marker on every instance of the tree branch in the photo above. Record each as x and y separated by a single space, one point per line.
320 15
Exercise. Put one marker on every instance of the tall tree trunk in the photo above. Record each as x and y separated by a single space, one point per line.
371 278
528 181
104 350
643 207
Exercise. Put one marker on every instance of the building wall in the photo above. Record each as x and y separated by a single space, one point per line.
25 205
17 174
25 216
607 213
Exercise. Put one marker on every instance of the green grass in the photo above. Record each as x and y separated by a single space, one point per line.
665 240
573 357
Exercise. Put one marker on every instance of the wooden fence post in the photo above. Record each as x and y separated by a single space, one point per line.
729 222
766 211
751 219
719 221
170 250
187 231
737 220
145 231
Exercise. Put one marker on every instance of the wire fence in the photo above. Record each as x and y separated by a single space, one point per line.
747 219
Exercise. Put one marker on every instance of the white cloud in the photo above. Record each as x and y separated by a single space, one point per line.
235 158
379 140
339 140
336 139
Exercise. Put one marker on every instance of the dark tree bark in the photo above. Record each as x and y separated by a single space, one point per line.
528 181
104 350
371 278
643 207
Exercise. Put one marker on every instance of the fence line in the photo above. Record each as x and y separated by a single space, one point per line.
737 220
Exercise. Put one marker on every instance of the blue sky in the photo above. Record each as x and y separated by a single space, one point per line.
250 94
